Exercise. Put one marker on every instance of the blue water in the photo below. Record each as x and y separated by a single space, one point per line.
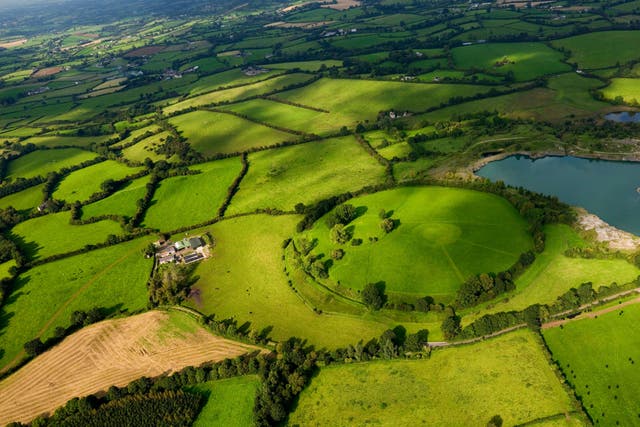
624 117
605 188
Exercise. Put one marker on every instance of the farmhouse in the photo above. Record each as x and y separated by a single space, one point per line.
188 250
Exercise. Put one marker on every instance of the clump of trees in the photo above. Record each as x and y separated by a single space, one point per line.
343 214
170 284
373 295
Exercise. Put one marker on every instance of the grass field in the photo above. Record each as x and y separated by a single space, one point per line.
141 150
61 140
444 236
598 357
81 184
192 199
305 65
507 376
114 352
627 89
123 202
5 267
602 49
52 234
23 200
305 173
526 60
40 163
245 280
211 133
553 273
45 296
229 402
358 100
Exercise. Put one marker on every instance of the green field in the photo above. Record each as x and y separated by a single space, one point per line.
61 140
553 273
359 100
305 173
52 234
139 151
305 65
5 267
41 162
81 184
527 61
212 133
114 278
444 236
229 402
123 202
602 49
192 199
598 358
23 200
627 89
507 376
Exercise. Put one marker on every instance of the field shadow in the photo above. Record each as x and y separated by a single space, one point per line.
15 294
31 249
264 333
360 210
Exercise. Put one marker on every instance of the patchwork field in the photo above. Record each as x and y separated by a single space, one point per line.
40 163
74 141
442 237
451 388
23 200
598 355
525 60
305 173
46 296
81 184
212 133
146 148
229 402
52 234
123 202
601 49
192 199
114 352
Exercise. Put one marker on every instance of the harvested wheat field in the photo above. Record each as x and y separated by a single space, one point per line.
113 352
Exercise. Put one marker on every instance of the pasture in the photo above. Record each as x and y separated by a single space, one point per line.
305 173
113 352
443 236
598 355
192 199
144 149
122 202
81 184
229 402
45 296
626 89
23 200
52 234
5 267
601 49
527 61
54 141
212 133
41 162
507 376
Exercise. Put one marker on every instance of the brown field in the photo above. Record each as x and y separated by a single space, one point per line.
342 4
13 43
144 51
113 352
88 35
44 72
303 25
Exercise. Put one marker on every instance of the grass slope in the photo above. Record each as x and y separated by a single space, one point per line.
41 162
602 49
627 89
305 173
123 202
459 386
23 200
229 402
445 235
598 357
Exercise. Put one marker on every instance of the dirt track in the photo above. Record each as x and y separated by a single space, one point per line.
113 352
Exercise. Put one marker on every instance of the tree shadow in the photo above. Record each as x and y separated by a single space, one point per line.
30 249
360 210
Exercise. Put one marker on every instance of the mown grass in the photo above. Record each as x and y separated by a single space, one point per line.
81 184
229 402
212 133
23 200
40 163
305 173
601 49
62 140
123 202
526 60
358 100
192 199
507 376
245 280
52 234
598 358
627 89
444 236
553 273
46 296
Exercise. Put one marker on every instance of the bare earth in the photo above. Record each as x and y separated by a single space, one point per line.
13 43
113 352
617 239
44 72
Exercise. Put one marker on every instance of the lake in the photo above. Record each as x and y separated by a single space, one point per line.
624 117
605 188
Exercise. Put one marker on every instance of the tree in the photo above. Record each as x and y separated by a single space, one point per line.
33 347
451 327
387 225
339 234
373 296
495 421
